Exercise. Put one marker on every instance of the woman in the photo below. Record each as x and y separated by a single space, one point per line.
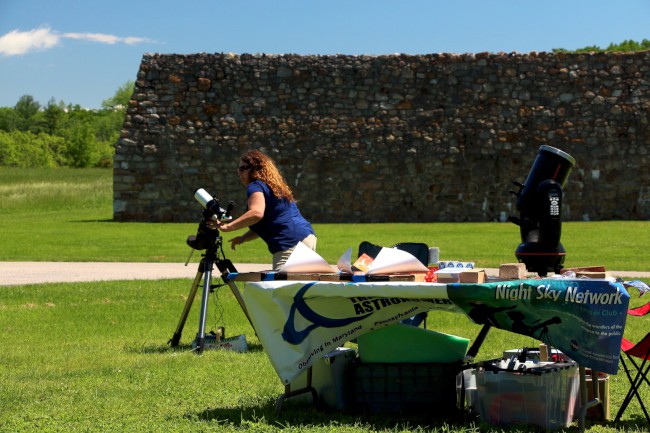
272 212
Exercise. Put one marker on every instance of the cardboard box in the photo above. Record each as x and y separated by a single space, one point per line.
448 275
473 276
600 412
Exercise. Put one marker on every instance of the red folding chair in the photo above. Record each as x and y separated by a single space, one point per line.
639 311
641 351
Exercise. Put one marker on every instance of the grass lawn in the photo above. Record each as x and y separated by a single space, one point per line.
92 357
66 215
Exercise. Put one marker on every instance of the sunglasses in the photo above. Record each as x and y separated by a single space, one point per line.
243 168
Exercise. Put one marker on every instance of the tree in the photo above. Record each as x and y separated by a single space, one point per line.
121 98
53 114
26 108
80 146
60 134
8 119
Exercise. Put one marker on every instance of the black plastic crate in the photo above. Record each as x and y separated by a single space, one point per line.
413 388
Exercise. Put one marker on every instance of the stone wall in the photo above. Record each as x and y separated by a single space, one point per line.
394 138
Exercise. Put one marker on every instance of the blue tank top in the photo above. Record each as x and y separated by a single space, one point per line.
282 225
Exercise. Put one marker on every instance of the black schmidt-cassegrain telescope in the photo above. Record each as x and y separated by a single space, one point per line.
539 202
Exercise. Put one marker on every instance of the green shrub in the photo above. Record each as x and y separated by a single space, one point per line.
24 149
80 146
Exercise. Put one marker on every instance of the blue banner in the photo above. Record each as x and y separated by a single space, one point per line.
583 318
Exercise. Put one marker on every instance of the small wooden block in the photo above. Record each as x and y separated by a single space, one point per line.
515 271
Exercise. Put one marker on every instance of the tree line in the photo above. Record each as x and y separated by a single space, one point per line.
56 134
627 46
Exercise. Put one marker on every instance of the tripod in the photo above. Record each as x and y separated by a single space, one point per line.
209 240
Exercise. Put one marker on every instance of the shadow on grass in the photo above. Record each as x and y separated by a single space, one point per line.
637 422
302 412
166 348
94 221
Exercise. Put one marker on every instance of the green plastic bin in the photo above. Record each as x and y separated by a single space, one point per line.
400 343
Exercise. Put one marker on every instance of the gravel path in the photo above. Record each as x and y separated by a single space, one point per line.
18 273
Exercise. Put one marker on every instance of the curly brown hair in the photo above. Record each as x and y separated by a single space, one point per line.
263 168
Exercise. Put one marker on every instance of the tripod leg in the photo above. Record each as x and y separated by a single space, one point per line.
226 267
473 351
207 276
176 338
240 299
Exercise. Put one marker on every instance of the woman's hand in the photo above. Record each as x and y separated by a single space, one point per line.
255 212
237 241
213 224
224 226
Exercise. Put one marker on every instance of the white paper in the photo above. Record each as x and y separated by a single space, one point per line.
304 259
345 262
392 260
450 271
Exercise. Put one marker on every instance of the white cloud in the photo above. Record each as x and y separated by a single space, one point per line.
105 39
16 42
94 37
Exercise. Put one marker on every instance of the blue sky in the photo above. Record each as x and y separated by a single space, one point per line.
82 51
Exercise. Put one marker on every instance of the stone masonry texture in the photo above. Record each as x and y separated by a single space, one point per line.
395 138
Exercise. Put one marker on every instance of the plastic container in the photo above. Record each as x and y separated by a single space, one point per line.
535 354
424 389
466 390
331 378
533 393
402 343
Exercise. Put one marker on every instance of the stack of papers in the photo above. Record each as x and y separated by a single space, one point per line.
388 261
